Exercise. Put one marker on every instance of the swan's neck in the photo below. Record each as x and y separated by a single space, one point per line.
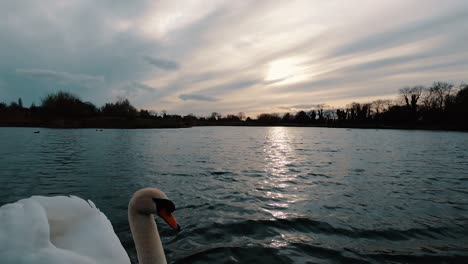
146 237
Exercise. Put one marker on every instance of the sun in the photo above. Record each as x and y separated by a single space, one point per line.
283 69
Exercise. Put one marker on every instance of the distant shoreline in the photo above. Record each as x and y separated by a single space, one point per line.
97 122
352 126
440 109
141 123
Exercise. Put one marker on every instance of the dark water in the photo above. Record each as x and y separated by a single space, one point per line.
263 195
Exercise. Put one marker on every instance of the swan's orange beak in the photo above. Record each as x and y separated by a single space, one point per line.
169 218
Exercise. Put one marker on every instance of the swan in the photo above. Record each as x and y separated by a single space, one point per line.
64 229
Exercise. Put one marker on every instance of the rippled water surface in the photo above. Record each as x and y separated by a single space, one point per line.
263 195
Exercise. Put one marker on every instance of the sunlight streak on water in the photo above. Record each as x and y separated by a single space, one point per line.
277 150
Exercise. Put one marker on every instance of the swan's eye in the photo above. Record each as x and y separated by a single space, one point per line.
165 208
165 204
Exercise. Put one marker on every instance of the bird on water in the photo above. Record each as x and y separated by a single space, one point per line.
68 229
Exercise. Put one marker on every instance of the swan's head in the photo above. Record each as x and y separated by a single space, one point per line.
152 201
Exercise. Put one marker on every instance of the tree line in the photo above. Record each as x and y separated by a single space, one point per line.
441 105
64 109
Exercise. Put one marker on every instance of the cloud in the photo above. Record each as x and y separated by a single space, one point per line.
136 90
300 107
161 54
197 97
276 80
233 86
84 80
143 87
407 33
162 63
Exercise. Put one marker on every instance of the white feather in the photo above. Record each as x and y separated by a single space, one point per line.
57 230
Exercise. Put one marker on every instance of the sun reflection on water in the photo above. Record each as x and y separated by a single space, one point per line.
279 159
277 148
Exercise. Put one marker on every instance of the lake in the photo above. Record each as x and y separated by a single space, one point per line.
263 194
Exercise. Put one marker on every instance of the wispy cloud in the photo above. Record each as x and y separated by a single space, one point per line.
246 56
300 107
83 80
135 90
197 97
407 33
143 87
162 63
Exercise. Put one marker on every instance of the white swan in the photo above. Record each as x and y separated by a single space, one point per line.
70 230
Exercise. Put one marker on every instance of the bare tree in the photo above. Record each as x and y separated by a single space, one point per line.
312 115
241 116
358 111
153 113
379 106
320 108
411 96
438 96
330 114
215 116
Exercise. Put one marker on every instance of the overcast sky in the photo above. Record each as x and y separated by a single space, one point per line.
229 56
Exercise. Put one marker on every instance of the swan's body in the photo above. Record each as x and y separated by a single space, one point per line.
70 230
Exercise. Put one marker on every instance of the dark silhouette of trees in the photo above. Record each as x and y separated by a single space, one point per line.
437 96
321 118
121 108
173 117
214 116
457 107
66 105
190 118
437 99
396 115
241 116
442 105
435 106
378 107
273 118
301 117
411 96
358 112
232 118
461 99
312 116
14 106
342 115
287 118
145 114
